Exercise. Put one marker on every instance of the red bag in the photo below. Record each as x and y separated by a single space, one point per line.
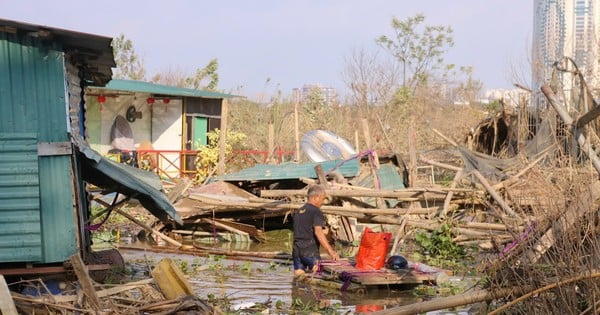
372 250
368 308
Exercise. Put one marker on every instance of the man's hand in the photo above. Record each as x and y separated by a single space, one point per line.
335 256
323 241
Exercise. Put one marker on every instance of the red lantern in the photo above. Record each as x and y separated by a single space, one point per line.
150 100
166 100
101 99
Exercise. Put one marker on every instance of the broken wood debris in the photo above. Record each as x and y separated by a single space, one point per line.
132 298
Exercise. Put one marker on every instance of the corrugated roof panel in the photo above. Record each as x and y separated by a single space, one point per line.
140 184
93 52
20 237
348 168
389 177
58 211
147 87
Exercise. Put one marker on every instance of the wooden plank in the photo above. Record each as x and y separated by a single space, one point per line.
171 280
179 189
321 176
54 148
585 145
382 276
7 305
224 226
85 282
400 194
148 228
507 209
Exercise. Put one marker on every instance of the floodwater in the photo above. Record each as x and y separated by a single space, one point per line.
245 282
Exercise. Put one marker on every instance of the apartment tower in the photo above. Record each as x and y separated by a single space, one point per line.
566 28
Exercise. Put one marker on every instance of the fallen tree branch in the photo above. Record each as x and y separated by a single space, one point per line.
545 288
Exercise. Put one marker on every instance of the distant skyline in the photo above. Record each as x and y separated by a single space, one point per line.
266 46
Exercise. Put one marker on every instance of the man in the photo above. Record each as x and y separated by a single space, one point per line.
308 233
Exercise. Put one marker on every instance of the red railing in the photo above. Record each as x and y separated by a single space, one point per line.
172 164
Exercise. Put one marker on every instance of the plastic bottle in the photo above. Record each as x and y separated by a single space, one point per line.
421 267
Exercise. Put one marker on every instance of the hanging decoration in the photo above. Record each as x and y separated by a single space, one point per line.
150 101
101 100
166 101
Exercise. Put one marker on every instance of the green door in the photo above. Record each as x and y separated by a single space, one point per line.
200 129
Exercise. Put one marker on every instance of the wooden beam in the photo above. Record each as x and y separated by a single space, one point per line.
494 193
321 176
7 305
222 137
564 115
224 227
589 116
148 228
85 281
403 194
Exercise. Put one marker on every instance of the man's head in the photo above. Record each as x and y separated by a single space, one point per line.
316 195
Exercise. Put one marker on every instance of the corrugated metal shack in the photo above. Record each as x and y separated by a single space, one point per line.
45 162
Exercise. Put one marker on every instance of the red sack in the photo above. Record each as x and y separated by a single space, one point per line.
372 250
368 308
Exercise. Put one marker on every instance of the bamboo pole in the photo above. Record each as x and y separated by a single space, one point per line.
325 208
225 227
148 228
404 194
223 137
452 301
493 193
513 179
452 142
450 194
442 165
296 132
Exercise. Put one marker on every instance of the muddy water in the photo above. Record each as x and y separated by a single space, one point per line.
245 283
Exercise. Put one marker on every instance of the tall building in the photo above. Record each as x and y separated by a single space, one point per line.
328 94
566 28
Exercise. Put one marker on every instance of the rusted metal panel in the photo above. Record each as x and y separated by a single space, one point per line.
54 148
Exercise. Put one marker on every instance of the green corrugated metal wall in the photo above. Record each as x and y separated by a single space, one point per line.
33 109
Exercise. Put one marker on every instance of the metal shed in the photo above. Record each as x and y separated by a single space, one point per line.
44 158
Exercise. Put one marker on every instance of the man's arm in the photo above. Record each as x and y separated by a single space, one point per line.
323 241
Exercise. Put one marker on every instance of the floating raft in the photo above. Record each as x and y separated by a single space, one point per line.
344 271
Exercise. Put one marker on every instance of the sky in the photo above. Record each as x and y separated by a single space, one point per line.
266 46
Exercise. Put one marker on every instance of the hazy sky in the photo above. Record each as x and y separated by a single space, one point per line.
292 43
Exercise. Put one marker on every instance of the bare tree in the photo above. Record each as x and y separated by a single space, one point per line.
370 79
171 76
